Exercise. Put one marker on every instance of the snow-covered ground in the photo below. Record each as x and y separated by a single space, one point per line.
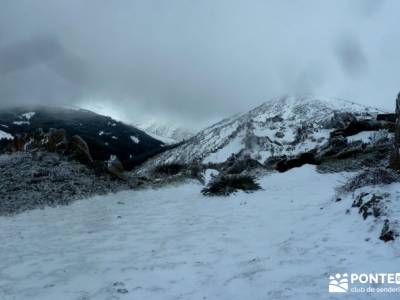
173 243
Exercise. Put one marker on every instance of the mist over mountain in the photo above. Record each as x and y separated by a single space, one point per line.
194 63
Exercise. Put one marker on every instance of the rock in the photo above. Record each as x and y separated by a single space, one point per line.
387 234
395 157
298 161
335 145
358 126
301 134
276 118
271 161
279 134
80 150
341 120
386 117
115 168
18 143
56 140
371 207
236 164
359 199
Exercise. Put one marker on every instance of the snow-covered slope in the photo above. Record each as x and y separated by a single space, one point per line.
286 125
173 243
167 133
5 135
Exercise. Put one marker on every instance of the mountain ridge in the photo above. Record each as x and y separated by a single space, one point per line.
285 125
104 135
165 132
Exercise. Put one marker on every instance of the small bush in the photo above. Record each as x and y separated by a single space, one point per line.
168 169
367 177
227 184
195 170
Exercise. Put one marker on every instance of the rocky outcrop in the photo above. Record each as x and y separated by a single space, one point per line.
56 140
387 234
80 150
373 205
386 117
115 167
304 158
59 141
370 207
237 165
395 157
358 126
341 120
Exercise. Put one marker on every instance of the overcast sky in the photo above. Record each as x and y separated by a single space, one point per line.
194 62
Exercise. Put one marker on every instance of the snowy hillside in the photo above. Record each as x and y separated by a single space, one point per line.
287 125
174 243
167 133
5 136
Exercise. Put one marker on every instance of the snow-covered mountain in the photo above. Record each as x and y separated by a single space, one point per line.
171 241
167 133
282 126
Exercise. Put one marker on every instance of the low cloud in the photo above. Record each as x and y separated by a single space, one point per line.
194 62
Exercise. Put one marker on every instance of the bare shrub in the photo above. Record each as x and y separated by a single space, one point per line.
168 169
225 185
370 176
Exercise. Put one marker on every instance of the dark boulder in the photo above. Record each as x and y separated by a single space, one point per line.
56 139
80 150
387 234
341 120
276 119
18 143
271 161
236 164
298 161
115 168
358 126
395 157
335 145
386 117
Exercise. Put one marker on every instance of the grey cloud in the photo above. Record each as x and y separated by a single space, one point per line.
193 62
351 56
